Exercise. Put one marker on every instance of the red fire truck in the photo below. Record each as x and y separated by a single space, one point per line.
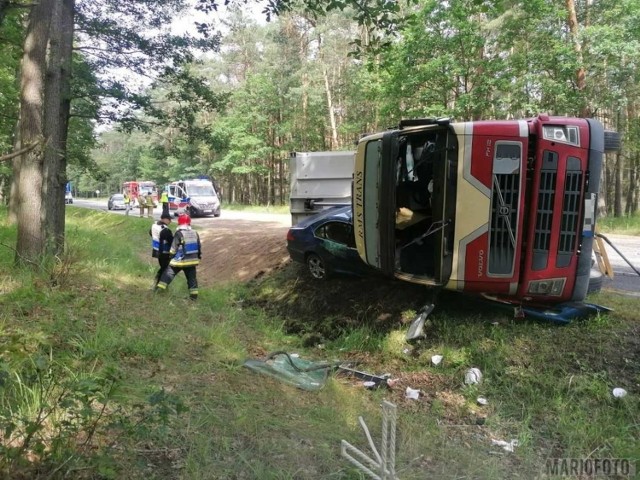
501 209
140 187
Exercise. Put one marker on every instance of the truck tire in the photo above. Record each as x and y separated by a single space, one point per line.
612 142
596 278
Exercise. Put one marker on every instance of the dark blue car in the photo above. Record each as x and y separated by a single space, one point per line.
326 245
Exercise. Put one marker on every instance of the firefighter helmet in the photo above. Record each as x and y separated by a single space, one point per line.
184 219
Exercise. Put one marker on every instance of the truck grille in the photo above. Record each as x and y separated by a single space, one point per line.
544 218
503 224
570 217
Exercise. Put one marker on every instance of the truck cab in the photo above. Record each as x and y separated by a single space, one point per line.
503 209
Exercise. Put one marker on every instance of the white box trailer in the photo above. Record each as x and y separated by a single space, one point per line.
319 180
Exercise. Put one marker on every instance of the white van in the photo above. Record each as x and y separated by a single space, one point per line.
196 197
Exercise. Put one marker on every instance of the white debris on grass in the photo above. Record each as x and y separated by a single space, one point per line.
507 446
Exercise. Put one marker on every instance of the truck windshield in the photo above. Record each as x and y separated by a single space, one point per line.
201 190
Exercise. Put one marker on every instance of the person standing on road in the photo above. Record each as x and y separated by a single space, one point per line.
142 204
150 204
161 240
164 200
185 253
127 203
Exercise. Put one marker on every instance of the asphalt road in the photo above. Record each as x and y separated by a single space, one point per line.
624 281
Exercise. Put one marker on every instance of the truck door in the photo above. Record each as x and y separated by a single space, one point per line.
374 202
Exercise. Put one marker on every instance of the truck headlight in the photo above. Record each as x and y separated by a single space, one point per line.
551 287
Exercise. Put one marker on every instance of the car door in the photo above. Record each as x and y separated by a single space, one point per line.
336 247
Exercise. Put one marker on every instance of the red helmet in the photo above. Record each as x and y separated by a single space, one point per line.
184 219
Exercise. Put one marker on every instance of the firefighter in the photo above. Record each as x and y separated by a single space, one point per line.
142 204
150 204
185 255
161 240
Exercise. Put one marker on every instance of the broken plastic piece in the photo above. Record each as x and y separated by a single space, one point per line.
473 376
507 446
412 393
619 392
416 330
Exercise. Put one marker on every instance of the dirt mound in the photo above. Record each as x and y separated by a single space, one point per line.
241 248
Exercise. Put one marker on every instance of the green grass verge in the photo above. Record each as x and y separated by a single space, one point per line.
625 225
102 379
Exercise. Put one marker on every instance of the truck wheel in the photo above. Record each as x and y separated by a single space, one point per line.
612 142
596 279
316 267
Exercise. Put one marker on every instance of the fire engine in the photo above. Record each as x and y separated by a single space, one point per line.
142 187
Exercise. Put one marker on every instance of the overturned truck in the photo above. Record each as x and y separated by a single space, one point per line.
501 209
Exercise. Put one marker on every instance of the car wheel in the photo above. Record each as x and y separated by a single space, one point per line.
316 267
596 278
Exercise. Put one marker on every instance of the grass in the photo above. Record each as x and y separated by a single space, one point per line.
144 387
625 225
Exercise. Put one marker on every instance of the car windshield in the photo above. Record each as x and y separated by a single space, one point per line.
117 196
200 190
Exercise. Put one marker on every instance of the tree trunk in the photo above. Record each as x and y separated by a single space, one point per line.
630 207
31 236
572 20
332 114
4 6
56 122
617 195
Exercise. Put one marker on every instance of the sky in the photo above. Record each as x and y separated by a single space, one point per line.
185 23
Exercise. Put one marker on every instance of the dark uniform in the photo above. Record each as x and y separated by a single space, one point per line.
161 240
185 255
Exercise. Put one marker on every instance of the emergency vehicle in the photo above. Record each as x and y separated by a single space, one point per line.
137 188
197 197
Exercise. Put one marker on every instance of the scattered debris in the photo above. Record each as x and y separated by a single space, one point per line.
436 360
473 376
507 446
391 382
412 393
377 380
482 401
619 392
383 464
293 370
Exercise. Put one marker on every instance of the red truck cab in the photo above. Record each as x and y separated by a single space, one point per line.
503 209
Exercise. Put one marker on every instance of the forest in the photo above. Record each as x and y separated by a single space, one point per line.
123 94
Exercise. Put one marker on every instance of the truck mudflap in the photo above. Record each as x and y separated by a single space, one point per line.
596 153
